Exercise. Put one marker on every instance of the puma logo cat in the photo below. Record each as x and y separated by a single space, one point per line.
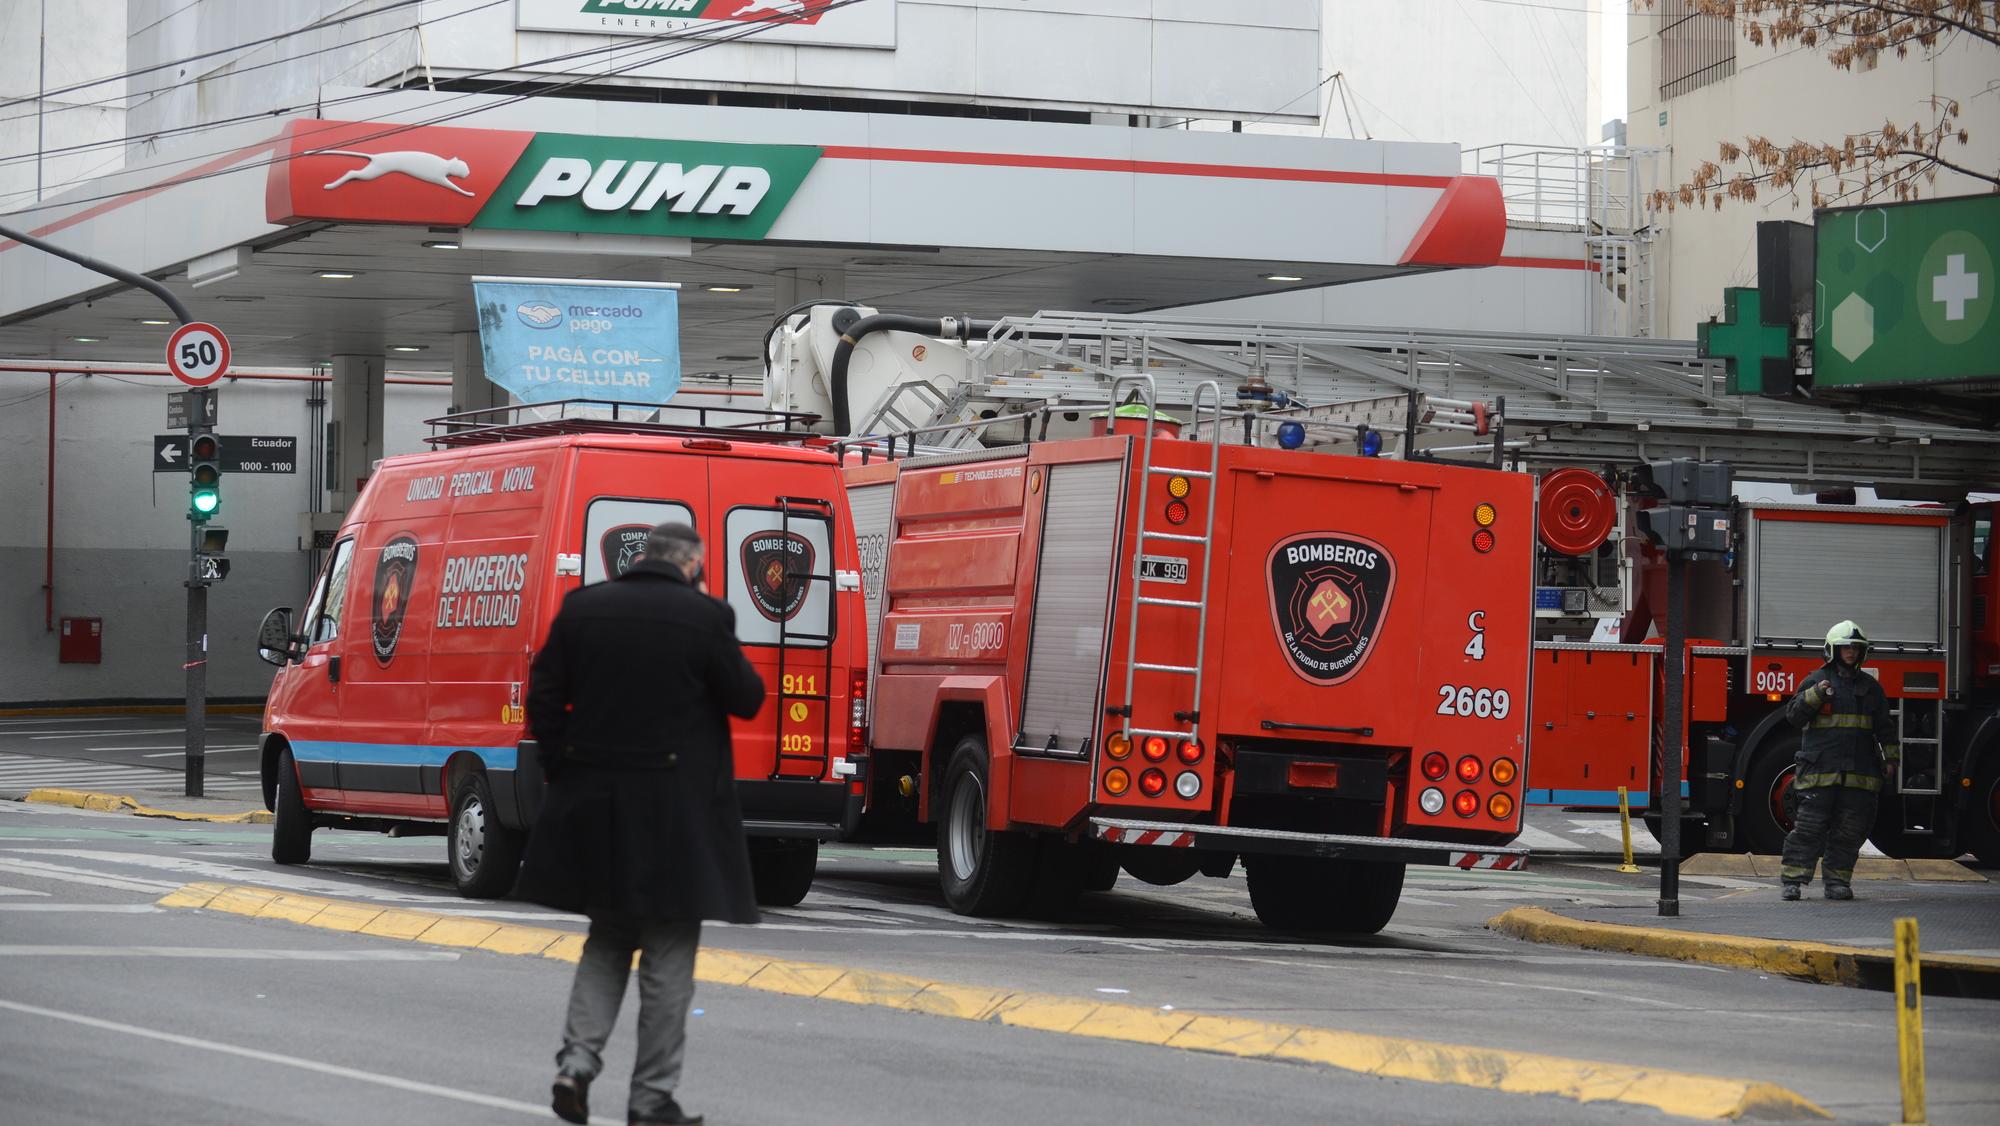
779 7
428 167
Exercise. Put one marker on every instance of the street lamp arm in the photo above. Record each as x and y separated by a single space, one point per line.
107 269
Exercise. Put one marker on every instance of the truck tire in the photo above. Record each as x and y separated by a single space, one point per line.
1982 813
782 871
485 855
291 821
983 872
1766 818
1308 894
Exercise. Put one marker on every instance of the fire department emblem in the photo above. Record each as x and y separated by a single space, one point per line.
776 569
621 547
395 574
1329 593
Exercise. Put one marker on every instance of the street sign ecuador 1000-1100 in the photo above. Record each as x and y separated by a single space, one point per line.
1905 293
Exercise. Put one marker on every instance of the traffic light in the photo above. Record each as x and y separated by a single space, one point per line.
1695 520
210 565
204 475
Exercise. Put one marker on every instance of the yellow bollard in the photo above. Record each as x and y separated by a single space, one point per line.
1625 830
1910 1023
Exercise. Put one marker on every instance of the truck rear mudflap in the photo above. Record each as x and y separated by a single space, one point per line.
1175 834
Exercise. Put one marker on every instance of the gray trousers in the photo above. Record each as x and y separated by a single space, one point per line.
666 987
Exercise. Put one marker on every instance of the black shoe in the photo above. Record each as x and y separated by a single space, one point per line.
1791 892
1839 891
669 1115
569 1097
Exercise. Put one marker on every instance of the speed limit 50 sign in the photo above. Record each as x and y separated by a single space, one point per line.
198 353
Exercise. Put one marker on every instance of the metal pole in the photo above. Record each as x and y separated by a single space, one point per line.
41 97
165 295
1673 733
1625 831
197 669
1910 1023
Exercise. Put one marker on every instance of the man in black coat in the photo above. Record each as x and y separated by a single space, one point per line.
629 701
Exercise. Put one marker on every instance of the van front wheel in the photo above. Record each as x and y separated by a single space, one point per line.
485 855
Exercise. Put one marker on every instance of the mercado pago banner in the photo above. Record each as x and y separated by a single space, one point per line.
822 23
545 340
507 179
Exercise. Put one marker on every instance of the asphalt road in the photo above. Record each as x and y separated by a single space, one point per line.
342 1028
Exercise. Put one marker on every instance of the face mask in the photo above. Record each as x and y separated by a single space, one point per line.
700 572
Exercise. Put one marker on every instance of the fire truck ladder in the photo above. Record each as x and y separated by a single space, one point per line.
1212 392
820 756
1920 774
1581 400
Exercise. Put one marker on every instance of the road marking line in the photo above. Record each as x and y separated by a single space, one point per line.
20 891
84 908
392 1081
249 954
170 752
1681 1093
99 734
79 876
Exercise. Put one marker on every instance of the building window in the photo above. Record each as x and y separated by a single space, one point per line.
1695 49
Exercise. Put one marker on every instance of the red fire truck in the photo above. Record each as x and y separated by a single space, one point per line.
398 702
1142 652
1924 584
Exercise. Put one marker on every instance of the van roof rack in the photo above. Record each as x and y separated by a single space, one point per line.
612 416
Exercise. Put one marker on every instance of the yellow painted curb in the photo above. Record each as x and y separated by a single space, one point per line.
1390 1057
125 803
1812 961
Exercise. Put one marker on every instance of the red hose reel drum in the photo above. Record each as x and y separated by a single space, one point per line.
1577 511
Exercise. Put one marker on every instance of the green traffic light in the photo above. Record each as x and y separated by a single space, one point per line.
205 502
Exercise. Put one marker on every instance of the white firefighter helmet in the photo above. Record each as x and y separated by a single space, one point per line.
1846 633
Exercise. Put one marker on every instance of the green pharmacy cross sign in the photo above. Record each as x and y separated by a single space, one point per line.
1757 356
1905 293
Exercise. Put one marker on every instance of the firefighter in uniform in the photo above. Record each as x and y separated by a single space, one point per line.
1844 716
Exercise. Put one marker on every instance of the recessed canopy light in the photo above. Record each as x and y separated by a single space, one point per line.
407 347
335 275
735 359
1282 278
155 321
441 244
725 288
88 339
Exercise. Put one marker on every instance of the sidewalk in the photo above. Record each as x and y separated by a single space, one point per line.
1847 943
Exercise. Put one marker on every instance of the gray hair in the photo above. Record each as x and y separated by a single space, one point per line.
677 544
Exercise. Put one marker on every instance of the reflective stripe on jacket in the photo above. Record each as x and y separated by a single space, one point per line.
1839 736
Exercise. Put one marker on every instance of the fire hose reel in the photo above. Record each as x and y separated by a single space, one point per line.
1577 511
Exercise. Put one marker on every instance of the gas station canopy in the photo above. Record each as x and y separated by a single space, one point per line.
311 237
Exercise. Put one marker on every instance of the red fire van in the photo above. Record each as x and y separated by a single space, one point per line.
398 704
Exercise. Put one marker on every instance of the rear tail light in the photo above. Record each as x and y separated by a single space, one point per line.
1190 751
1119 745
1503 771
857 710
1116 781
1500 806
1484 514
1177 512
1188 785
1155 750
1431 801
1465 803
1483 541
1469 770
1152 783
1178 486
1436 766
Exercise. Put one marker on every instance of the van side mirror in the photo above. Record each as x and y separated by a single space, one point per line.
276 643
